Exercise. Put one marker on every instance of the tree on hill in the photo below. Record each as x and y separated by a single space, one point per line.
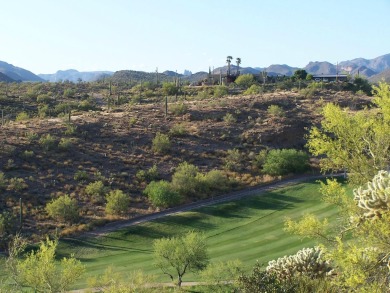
300 74
238 62
228 61
177 255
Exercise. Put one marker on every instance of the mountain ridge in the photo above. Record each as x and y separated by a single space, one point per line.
18 73
358 66
75 75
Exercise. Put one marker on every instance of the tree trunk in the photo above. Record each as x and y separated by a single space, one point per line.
179 281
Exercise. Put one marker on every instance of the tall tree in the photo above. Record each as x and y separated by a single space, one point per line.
238 62
39 270
228 61
358 142
177 255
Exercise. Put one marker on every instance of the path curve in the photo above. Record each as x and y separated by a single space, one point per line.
256 190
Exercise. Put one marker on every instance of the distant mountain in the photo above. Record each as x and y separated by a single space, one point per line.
5 78
17 73
75 76
384 75
320 68
277 69
377 64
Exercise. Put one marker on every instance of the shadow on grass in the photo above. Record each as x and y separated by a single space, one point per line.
139 238
239 208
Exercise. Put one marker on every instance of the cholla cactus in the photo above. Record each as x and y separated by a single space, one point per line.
307 262
374 198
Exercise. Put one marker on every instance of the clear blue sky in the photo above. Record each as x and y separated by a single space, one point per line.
44 36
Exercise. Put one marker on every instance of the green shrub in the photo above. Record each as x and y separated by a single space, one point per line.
284 161
43 111
135 99
71 129
81 175
254 89
96 190
245 81
17 184
63 209
178 130
184 180
212 181
178 109
132 121
7 225
161 143
148 175
27 154
43 99
65 144
117 202
220 91
276 111
31 136
260 158
229 118
86 105
47 142
69 93
233 160
3 181
22 116
161 194
204 94
64 108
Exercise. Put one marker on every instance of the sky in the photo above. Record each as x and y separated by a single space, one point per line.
44 36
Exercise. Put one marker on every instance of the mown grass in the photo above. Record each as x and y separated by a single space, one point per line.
250 229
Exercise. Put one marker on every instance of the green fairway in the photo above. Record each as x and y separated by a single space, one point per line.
250 229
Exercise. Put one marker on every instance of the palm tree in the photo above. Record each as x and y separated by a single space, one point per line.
238 62
228 61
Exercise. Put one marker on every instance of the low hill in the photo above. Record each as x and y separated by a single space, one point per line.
17 73
132 76
52 156
75 76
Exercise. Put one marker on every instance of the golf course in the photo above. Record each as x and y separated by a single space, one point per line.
249 229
